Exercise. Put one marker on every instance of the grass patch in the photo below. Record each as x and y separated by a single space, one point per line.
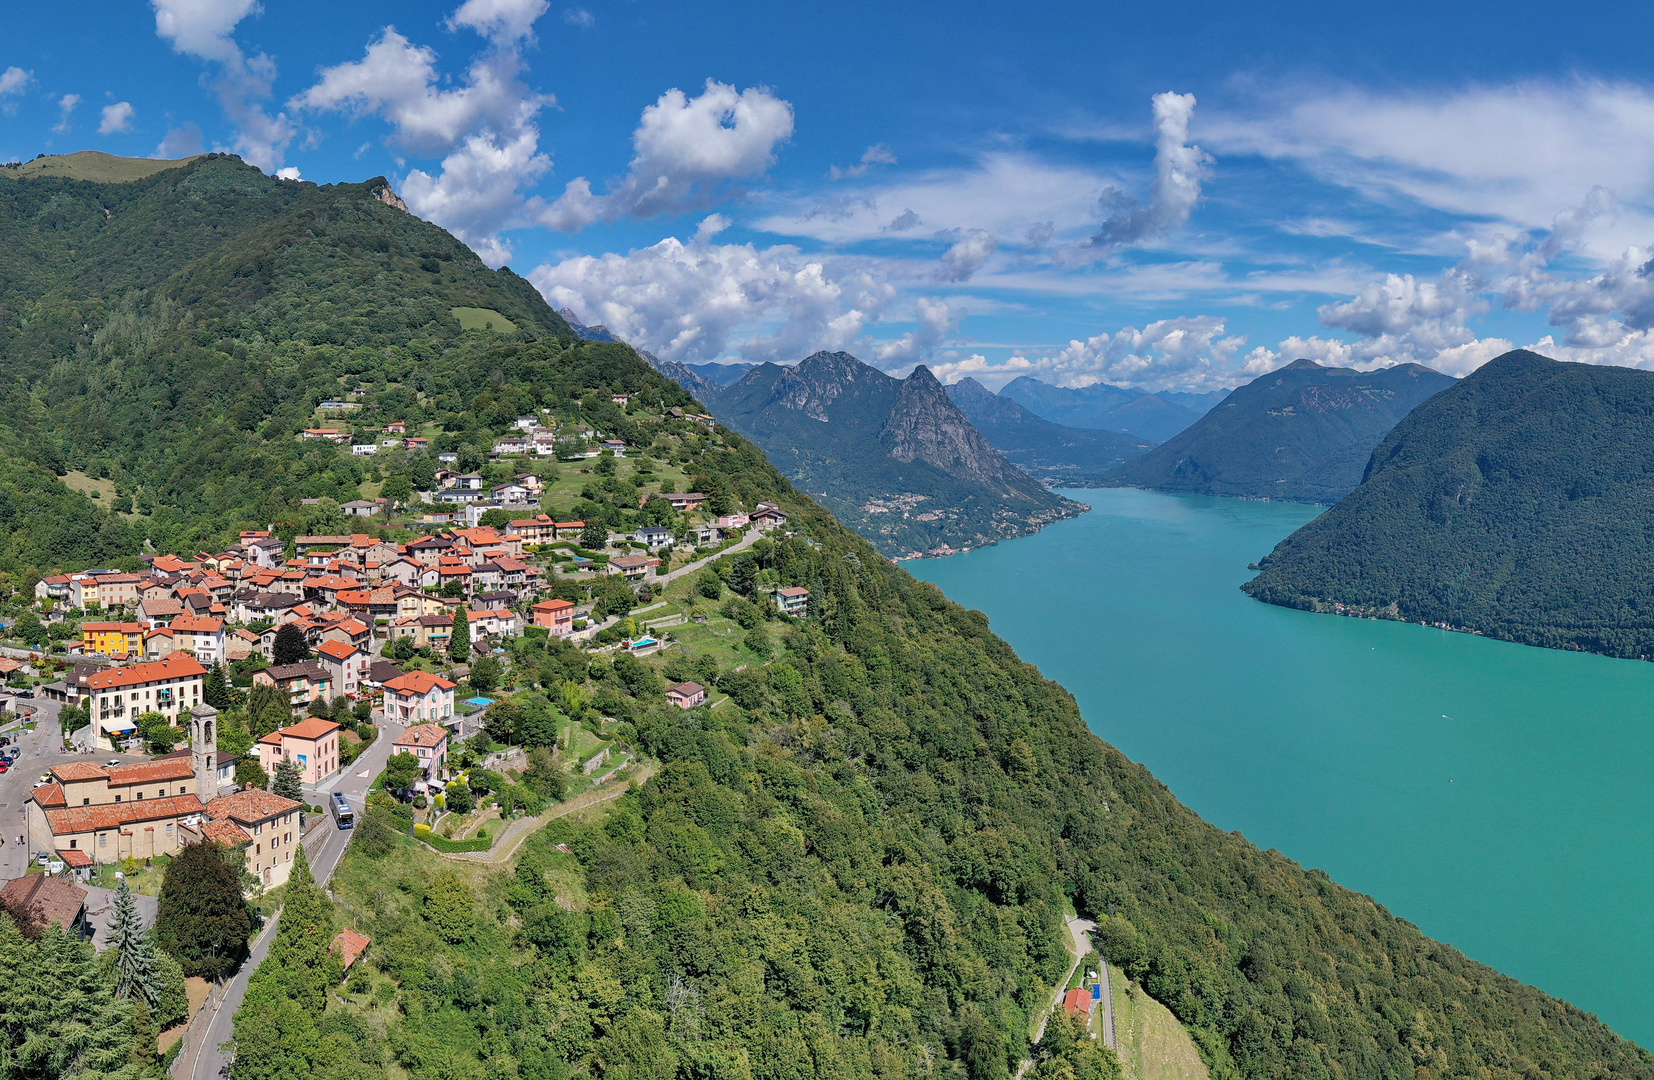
454 847
93 165
1152 1044
481 318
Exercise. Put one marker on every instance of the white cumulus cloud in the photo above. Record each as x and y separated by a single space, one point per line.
65 109
14 80
205 30
686 150
698 302
1179 168
500 21
116 117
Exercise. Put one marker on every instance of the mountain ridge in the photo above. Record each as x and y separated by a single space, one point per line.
1302 432
1156 417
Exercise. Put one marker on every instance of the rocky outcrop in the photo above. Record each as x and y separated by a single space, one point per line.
925 425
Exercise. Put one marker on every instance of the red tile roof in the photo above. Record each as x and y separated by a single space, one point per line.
350 946
422 735
553 605
339 650
79 819
419 682
74 857
686 689
148 772
225 832
1077 1001
178 665
311 727
50 796
58 900
251 807
197 624
79 770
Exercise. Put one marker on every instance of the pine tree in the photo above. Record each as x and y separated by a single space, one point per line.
216 690
137 975
459 640
287 783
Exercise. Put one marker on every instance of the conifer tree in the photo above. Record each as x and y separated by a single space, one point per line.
136 973
459 640
287 783
304 937
216 690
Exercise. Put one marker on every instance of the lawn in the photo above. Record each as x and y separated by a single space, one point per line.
478 318
1152 1044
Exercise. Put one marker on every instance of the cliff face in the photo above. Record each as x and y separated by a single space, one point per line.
925 425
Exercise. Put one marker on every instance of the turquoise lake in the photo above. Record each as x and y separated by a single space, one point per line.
1498 796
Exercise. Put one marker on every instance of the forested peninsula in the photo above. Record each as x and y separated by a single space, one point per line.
1513 504
857 866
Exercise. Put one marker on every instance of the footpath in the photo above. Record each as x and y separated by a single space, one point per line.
518 831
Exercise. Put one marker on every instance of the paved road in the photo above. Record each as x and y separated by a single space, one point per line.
752 537
1079 935
204 1057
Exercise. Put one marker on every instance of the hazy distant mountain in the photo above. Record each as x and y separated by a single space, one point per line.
894 458
722 374
1156 417
1051 453
1515 503
1302 432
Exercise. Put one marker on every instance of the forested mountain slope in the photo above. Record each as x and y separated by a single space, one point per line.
895 459
1303 432
1053 454
1515 504
857 867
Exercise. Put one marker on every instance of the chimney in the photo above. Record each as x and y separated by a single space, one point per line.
204 751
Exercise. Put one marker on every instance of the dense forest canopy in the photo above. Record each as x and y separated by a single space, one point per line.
858 867
1515 504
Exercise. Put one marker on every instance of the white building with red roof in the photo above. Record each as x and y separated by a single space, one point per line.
418 697
428 743
118 696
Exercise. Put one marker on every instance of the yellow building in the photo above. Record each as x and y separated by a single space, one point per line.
112 638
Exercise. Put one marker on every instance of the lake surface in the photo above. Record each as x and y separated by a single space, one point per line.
1498 796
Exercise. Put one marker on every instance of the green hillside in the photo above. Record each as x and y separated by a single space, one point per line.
857 866
1303 432
1515 504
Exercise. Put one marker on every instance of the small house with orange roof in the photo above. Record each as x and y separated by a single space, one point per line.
347 665
419 696
556 616
264 824
428 743
312 744
349 946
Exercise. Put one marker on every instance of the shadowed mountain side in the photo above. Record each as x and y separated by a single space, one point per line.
1303 432
1051 453
1515 504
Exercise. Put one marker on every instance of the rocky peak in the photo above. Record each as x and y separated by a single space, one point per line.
820 379
925 425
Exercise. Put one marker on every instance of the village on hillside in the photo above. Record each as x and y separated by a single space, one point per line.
226 694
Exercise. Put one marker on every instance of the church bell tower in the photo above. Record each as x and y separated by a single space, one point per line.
204 751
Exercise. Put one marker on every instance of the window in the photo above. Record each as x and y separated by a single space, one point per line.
86 802
102 840
169 828
74 843
117 798
140 794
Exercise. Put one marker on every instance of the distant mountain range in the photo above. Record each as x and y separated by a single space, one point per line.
1056 455
894 458
1156 417
1302 432
1515 504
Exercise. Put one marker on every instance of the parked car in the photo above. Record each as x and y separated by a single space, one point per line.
114 761
5 767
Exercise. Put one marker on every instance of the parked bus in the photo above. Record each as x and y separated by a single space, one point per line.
343 816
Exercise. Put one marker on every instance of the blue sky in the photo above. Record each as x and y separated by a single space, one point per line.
1163 197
